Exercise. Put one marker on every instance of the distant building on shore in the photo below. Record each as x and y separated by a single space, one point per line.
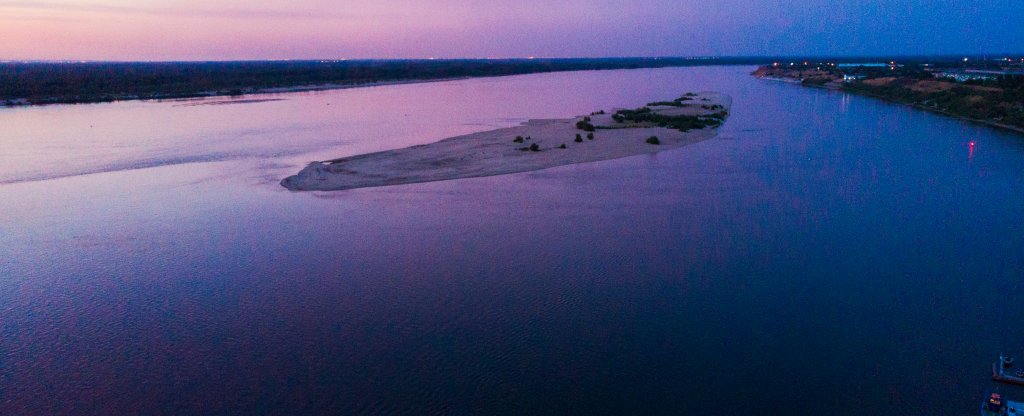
963 76
865 65
994 72
853 77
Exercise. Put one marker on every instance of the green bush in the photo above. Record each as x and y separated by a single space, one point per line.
590 136
653 140
678 102
681 122
579 139
585 125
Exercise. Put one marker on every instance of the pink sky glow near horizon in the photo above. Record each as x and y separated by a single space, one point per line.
321 29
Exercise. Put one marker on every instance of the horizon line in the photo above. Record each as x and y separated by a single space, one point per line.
523 58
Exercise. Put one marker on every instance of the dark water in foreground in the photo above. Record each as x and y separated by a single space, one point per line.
827 254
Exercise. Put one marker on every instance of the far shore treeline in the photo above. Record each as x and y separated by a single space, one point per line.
85 82
51 82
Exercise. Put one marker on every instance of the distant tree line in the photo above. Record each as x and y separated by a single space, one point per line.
41 83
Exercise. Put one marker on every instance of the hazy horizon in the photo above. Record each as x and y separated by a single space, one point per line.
191 30
513 58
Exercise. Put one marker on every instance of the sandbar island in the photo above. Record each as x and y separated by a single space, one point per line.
534 145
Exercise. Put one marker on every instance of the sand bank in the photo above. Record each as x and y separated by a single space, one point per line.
499 152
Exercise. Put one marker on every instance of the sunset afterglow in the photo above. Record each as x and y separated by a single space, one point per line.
264 29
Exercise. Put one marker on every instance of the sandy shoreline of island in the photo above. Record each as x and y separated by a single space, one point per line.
499 152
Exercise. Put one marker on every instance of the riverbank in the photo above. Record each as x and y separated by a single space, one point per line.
535 145
934 110
993 106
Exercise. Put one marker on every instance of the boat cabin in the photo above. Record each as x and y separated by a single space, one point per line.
995 404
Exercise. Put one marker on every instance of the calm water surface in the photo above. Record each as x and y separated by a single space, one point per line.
826 254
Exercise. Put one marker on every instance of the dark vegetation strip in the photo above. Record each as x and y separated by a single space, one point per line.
1006 106
678 102
678 122
48 83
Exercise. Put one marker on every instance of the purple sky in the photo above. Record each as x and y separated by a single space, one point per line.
296 29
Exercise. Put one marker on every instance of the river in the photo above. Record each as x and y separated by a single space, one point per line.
825 254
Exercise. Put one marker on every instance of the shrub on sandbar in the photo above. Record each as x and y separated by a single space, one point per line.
585 125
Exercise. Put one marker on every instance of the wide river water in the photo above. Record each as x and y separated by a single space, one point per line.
826 254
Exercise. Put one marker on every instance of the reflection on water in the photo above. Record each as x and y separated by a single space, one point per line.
827 254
